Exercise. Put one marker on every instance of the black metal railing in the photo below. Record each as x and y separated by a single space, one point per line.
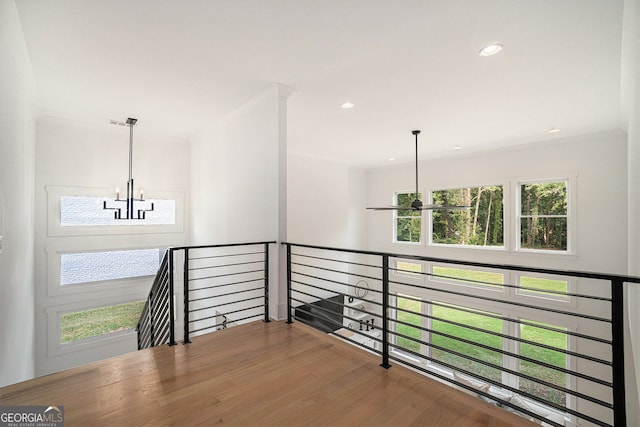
544 343
222 285
156 324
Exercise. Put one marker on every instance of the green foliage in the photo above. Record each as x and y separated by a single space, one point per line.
99 321
481 225
531 332
408 223
540 225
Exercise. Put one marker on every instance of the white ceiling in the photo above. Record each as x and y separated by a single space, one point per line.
178 65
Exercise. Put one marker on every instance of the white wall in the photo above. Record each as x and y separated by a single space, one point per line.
95 157
596 161
238 174
630 93
17 142
326 203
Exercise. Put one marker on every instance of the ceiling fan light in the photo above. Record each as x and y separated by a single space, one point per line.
491 49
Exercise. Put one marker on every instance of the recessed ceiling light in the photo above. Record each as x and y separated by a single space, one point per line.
391 159
457 147
490 49
553 130
347 105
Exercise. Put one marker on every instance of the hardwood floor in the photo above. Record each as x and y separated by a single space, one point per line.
259 374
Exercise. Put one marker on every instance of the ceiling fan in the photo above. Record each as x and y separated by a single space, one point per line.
417 205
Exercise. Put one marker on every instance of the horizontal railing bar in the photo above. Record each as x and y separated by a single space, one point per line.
508 319
193 279
225 256
509 371
495 383
260 279
227 265
336 282
508 353
224 295
334 271
228 312
509 337
223 245
337 324
228 322
337 260
226 303
329 290
504 285
334 312
518 304
582 274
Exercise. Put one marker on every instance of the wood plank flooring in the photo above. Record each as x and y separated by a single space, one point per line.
259 374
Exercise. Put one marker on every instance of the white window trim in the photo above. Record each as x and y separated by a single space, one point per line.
505 222
54 327
55 288
571 251
54 229
395 221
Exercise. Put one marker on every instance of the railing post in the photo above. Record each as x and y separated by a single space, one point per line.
172 314
266 282
289 320
617 348
186 296
385 312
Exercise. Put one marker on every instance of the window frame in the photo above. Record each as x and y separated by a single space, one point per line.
570 216
55 347
55 229
505 221
396 216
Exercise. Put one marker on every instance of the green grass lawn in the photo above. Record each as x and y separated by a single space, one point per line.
531 333
99 321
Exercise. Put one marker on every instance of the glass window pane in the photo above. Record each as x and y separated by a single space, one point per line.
98 266
99 321
544 198
405 199
409 229
553 339
544 284
543 233
481 225
467 277
404 306
478 320
89 210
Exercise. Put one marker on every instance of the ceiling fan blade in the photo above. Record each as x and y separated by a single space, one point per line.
392 208
443 208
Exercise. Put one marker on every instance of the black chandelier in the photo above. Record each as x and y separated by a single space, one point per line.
130 201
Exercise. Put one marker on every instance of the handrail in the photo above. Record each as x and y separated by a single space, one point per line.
156 325
324 274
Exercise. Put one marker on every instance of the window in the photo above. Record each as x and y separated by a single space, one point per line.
466 277
410 269
88 211
79 325
544 287
87 267
543 216
481 225
444 317
552 336
408 224
407 307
